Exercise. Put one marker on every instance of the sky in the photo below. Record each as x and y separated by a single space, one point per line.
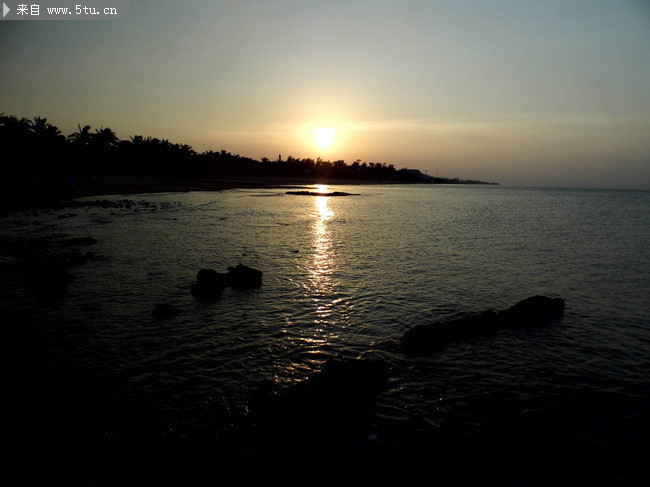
523 92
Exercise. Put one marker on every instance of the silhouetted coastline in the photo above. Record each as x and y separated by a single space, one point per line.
47 167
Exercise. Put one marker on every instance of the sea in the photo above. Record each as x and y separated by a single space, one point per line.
97 391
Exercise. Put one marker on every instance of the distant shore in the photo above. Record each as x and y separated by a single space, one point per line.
42 193
18 194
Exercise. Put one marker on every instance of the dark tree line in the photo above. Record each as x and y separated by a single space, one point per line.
36 148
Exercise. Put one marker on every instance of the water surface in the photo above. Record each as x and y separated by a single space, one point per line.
345 277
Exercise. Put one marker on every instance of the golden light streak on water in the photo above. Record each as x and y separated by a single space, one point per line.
323 262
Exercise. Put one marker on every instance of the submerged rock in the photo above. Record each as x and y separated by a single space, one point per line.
534 310
165 310
209 284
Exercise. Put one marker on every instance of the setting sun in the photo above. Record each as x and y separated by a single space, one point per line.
324 137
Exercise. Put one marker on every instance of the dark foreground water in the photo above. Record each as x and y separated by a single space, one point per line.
95 391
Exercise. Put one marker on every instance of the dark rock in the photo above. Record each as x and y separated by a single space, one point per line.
209 284
535 310
349 378
324 421
422 337
331 402
243 277
164 310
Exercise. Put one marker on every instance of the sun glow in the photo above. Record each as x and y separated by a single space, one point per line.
323 137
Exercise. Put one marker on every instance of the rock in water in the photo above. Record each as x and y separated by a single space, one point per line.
243 277
209 284
423 337
533 310
348 379
331 401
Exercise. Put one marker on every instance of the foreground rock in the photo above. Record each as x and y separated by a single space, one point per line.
534 310
325 414
210 283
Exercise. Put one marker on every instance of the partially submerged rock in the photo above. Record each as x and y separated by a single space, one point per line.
210 283
325 420
330 404
347 379
426 336
534 310
243 277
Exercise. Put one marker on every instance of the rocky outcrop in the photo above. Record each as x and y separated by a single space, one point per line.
531 311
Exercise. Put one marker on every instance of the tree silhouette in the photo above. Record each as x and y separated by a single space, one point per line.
104 138
82 137
36 148
44 130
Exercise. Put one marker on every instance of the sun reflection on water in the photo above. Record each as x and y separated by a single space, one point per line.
323 262
313 343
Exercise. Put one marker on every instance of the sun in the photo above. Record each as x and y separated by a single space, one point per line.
323 137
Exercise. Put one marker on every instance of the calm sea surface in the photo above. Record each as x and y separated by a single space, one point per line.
344 277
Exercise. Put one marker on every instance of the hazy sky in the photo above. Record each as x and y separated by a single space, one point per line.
544 92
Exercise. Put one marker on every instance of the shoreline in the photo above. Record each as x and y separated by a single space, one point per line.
30 194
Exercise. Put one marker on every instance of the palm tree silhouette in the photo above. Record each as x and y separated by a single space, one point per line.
105 138
82 137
